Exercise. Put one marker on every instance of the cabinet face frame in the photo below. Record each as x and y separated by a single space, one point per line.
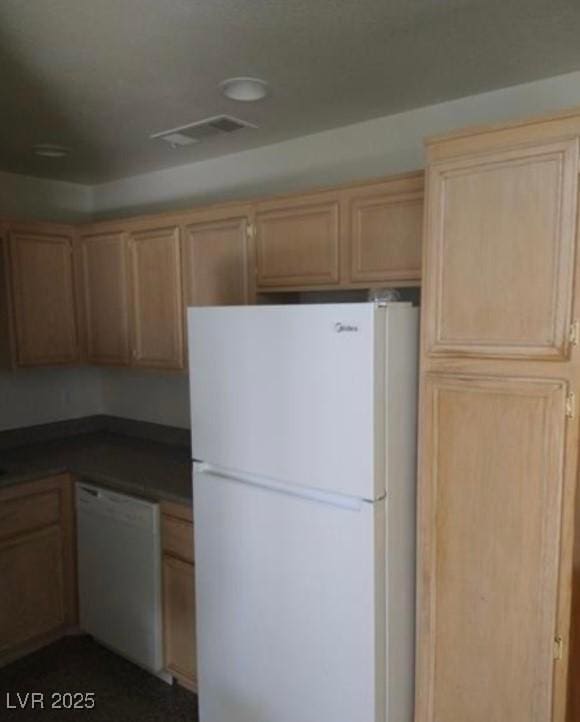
121 315
564 154
171 286
551 394
7 330
24 355
324 206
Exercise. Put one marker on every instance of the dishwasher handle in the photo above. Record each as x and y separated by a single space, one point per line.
89 493
84 490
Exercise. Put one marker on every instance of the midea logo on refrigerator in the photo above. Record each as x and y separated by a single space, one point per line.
345 328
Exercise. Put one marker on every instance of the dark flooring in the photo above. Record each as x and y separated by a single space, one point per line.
122 691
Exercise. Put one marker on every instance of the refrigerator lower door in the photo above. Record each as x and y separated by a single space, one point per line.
290 603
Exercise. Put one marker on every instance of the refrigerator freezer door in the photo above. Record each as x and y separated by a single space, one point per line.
290 604
293 393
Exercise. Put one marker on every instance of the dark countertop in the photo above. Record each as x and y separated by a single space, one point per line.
142 467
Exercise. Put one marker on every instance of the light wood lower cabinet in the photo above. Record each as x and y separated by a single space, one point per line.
179 594
179 619
37 565
31 566
494 491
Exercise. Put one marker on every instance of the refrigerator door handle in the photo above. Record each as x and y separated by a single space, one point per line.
350 503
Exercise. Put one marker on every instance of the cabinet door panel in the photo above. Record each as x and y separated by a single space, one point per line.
297 244
490 497
500 248
386 233
106 289
179 617
157 309
32 588
44 303
216 263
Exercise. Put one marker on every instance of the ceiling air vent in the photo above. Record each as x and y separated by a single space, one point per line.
203 129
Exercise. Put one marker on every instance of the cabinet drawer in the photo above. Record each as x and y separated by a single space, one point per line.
24 514
177 537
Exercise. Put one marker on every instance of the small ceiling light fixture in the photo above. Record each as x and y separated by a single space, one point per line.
246 90
50 150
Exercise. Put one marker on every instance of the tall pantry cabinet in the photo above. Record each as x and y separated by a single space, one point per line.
500 378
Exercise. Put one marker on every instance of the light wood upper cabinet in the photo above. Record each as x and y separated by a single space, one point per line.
491 507
501 230
216 263
129 281
385 228
105 273
298 241
157 298
43 297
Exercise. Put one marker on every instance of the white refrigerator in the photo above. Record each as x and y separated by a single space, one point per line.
303 423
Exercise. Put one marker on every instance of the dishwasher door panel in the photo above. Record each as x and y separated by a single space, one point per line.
119 569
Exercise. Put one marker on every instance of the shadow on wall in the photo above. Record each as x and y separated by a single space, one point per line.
41 396
155 396
34 112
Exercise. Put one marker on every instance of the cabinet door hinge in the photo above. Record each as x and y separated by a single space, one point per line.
574 333
571 405
558 648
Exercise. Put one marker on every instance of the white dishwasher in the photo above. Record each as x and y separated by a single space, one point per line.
119 570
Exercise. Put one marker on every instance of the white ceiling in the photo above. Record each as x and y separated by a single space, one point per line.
100 76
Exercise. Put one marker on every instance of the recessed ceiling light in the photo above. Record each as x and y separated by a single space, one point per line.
246 90
49 150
